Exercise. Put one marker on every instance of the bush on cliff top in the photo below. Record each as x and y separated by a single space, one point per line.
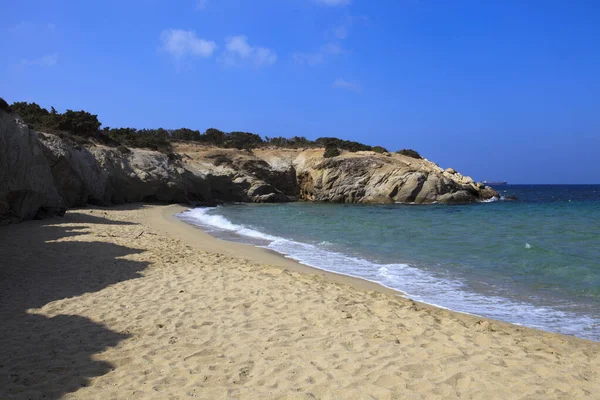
296 142
79 123
331 151
154 139
342 144
409 153
84 124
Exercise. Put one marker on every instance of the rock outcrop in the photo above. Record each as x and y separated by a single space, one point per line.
26 187
104 176
43 174
361 177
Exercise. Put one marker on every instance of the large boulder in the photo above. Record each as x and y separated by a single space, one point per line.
409 187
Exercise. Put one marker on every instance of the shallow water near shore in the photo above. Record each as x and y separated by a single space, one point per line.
533 262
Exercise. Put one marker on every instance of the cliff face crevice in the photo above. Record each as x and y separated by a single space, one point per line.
43 174
306 186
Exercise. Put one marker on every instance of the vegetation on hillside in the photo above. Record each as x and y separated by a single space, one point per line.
81 125
331 151
409 153
379 149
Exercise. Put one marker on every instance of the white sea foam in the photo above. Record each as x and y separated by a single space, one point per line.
416 283
492 199
201 216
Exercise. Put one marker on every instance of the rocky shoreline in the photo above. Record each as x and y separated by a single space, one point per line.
44 174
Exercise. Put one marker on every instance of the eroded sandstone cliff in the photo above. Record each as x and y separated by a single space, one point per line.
43 174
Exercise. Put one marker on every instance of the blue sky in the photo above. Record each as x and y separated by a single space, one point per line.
496 89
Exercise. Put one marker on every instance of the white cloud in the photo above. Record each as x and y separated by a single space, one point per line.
319 57
342 31
347 85
239 52
336 36
332 48
48 60
334 2
180 43
201 4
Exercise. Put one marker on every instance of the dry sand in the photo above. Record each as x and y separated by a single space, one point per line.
130 303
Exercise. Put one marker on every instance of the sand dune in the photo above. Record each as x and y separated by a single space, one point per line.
130 304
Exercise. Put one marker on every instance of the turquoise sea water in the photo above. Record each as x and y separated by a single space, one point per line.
534 262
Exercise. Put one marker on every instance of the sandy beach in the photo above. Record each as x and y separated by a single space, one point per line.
130 303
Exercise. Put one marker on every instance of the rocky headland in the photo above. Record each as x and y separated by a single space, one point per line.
44 174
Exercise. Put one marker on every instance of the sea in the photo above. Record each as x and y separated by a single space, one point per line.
533 262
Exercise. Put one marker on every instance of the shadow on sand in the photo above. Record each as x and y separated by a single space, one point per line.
43 357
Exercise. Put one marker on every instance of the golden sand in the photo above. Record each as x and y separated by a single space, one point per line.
130 303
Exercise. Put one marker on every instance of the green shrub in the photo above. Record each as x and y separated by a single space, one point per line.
379 149
214 136
80 123
241 140
409 153
86 125
154 139
342 144
295 142
186 134
30 113
331 151
107 140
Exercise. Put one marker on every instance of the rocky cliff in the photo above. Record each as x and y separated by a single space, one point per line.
43 174
26 184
